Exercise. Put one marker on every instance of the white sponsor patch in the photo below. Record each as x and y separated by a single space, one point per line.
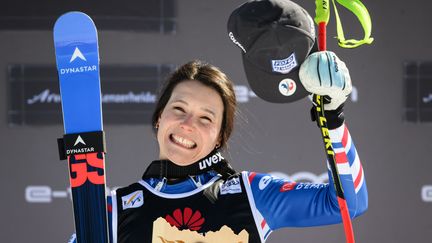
264 182
231 187
133 200
287 87
284 66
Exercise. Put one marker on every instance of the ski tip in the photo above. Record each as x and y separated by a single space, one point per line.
73 17
73 25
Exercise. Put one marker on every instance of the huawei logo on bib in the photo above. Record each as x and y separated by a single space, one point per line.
186 219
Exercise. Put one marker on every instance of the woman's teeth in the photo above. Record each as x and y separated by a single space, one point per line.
183 141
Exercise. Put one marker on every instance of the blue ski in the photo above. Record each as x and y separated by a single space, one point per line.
77 56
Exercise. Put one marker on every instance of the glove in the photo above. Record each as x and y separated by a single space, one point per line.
323 73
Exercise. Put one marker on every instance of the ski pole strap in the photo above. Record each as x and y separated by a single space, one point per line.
358 9
81 143
335 118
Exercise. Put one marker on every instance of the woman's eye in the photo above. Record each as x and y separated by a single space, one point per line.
206 119
178 110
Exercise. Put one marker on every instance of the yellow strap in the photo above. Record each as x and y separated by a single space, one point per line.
357 8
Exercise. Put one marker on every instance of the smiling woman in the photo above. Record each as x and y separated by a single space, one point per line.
192 192
190 116
213 79
190 123
193 118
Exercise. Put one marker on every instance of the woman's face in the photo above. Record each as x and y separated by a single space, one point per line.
190 123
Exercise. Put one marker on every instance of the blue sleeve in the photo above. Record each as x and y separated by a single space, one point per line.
284 203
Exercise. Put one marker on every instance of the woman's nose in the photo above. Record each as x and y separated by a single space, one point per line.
187 123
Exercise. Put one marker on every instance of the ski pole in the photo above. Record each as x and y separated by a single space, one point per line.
322 15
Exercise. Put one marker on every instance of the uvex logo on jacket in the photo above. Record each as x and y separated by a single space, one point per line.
216 158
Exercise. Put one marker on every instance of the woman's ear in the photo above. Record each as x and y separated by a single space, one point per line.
218 143
157 123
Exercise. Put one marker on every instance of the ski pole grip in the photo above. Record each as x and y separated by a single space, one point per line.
322 16
322 40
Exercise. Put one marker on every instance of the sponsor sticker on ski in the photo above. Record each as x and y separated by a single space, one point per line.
78 55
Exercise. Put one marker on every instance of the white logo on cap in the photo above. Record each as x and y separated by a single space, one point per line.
284 66
233 39
287 87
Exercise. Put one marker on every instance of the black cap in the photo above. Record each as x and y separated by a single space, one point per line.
275 37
